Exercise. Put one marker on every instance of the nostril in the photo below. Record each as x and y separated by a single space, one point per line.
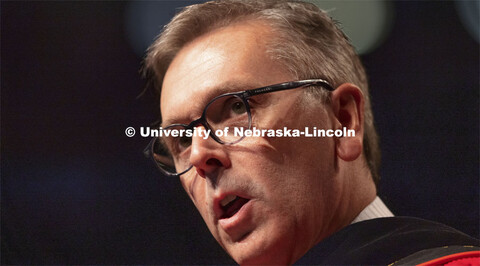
214 162
200 172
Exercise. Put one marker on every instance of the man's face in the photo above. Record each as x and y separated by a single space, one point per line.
286 188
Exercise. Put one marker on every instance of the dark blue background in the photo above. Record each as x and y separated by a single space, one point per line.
76 190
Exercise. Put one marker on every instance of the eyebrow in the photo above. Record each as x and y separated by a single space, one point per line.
227 87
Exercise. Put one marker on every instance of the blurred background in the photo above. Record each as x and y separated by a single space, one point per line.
76 190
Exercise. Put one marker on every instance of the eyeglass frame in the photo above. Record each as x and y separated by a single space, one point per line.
244 95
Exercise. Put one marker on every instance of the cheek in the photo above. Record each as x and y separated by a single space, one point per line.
291 172
194 185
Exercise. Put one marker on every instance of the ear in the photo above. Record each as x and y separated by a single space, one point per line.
347 104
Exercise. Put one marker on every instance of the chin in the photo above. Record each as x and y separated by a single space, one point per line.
255 251
262 259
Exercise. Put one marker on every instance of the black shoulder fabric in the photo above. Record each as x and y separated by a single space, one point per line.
384 241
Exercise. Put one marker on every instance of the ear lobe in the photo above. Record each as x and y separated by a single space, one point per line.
348 104
349 148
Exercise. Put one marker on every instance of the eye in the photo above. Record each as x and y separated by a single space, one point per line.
159 147
184 142
175 145
178 145
238 107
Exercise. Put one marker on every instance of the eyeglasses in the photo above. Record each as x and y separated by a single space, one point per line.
171 152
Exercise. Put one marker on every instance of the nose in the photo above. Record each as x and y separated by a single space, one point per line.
207 156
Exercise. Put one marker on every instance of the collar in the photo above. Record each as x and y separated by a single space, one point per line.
376 209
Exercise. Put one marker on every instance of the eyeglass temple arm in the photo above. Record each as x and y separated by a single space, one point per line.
289 86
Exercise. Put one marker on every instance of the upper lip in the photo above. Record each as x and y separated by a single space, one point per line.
217 207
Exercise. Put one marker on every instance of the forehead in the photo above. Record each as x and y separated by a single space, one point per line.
227 59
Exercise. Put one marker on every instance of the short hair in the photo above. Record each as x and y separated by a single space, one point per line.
305 39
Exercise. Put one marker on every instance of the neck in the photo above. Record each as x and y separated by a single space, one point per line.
357 190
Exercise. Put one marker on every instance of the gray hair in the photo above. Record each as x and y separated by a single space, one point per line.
305 39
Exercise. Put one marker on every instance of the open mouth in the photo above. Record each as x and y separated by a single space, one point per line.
230 205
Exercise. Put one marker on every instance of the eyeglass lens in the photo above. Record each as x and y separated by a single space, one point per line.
172 152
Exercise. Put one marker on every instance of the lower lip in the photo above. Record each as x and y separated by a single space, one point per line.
235 222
